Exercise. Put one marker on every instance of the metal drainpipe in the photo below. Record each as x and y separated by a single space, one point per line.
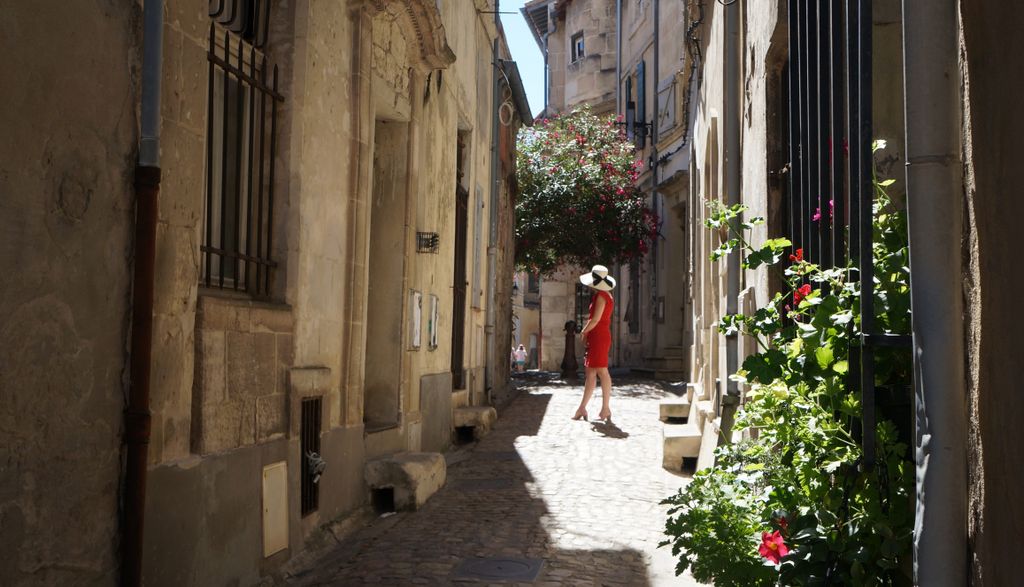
617 309
731 144
147 190
654 178
618 56
491 363
934 184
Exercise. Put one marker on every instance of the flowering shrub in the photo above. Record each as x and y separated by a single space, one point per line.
578 202
795 504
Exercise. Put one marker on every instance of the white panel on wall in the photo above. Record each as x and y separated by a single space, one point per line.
275 508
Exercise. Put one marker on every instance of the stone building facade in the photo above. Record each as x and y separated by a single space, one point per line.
334 176
603 53
950 133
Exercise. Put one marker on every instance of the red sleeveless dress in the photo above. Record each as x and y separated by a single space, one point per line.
599 340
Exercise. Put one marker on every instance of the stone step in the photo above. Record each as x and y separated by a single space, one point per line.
412 477
479 418
664 362
679 441
691 391
660 374
701 412
674 408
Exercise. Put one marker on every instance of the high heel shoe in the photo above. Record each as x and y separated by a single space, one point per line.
606 416
580 415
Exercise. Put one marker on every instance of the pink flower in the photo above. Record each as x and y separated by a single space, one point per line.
773 547
831 211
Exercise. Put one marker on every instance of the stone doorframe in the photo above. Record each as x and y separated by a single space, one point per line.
428 50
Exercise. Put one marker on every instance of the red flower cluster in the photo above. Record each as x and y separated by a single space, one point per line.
773 547
797 257
801 292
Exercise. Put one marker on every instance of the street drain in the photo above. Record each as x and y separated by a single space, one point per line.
499 569
482 484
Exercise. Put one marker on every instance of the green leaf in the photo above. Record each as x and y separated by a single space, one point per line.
824 356
841 367
887 182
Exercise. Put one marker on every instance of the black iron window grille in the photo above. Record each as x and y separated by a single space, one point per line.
830 191
583 295
427 242
249 19
241 147
309 442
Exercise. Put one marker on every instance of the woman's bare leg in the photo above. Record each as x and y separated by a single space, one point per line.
606 393
588 392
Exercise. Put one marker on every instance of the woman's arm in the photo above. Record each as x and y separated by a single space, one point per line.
598 312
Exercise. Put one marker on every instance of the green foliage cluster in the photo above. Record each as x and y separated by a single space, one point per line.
578 202
802 471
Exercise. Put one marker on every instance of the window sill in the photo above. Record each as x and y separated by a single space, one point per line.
238 298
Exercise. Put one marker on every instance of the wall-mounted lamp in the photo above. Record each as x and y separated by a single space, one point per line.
636 131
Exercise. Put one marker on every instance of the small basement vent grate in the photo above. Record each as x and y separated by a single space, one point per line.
499 569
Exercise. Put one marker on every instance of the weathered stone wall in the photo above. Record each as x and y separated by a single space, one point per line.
243 353
66 219
991 50
590 79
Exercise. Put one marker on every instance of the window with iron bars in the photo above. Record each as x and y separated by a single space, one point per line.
241 132
583 295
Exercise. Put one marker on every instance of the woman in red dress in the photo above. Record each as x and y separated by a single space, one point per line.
598 336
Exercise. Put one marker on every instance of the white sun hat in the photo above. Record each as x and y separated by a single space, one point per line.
598 278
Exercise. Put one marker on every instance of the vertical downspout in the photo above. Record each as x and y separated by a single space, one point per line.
731 144
934 212
618 56
147 191
654 178
492 361
617 308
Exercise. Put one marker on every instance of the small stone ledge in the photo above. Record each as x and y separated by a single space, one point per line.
479 418
413 476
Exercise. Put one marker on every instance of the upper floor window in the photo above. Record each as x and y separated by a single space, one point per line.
577 47
241 145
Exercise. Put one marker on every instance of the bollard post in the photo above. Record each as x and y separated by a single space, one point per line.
569 364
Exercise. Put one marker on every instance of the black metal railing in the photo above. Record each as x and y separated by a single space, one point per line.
241 147
830 182
309 443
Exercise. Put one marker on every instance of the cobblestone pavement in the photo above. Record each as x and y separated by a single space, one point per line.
583 497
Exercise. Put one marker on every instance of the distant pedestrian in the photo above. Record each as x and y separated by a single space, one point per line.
520 354
598 336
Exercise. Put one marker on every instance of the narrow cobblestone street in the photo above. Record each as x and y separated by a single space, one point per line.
579 498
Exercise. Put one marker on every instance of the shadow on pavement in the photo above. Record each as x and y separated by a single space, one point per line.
492 506
609 429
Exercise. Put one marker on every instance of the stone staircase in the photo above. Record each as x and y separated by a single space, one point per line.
691 430
669 366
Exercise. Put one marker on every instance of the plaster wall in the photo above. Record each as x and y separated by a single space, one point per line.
66 219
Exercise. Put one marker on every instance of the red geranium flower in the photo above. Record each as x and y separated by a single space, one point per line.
798 256
773 547
801 292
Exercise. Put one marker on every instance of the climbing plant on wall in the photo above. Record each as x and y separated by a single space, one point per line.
578 202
